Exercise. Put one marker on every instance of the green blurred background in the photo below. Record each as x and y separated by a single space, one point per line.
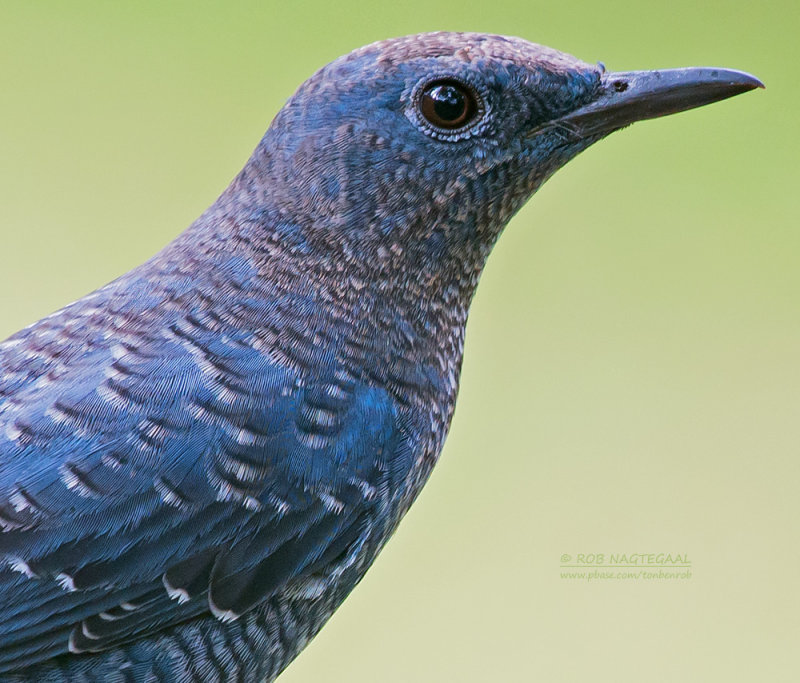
632 380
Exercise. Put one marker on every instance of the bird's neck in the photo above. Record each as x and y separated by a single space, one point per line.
346 272
388 318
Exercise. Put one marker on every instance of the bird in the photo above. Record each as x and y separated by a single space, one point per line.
200 460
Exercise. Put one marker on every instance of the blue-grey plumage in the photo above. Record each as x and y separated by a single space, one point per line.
200 460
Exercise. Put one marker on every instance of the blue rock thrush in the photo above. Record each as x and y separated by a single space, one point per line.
200 460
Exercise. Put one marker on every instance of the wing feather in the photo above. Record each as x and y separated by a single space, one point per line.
145 484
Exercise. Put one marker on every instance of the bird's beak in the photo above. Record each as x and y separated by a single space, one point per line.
630 96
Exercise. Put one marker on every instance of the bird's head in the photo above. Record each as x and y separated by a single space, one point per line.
415 152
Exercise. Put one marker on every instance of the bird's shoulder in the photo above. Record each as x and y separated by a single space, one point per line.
170 470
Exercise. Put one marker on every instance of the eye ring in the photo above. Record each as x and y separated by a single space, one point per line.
463 108
448 104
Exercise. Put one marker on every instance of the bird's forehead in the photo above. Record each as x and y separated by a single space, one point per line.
467 47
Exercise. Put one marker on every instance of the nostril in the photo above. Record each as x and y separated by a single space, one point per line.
620 86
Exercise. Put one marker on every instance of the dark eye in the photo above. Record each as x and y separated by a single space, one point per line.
448 104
